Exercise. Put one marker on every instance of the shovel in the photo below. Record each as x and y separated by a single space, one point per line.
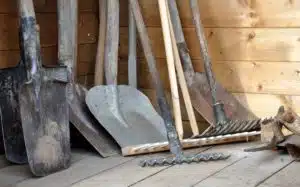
11 80
199 89
43 104
122 110
80 115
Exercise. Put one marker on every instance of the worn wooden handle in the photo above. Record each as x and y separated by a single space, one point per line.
98 80
190 143
182 82
112 42
171 68
132 74
67 35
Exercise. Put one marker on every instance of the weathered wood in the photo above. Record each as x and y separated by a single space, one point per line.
250 171
163 10
190 143
287 177
48 25
78 171
187 175
46 6
265 44
99 66
3 162
230 13
182 81
11 175
128 173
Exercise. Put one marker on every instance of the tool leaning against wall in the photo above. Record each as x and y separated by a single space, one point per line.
43 104
11 79
79 113
125 112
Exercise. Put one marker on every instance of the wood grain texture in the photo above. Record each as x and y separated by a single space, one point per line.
287 177
249 171
128 173
264 44
46 6
230 13
78 171
187 175
190 143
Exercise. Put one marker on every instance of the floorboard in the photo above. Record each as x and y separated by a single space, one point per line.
128 173
78 171
187 175
250 171
3 162
13 174
287 177
262 169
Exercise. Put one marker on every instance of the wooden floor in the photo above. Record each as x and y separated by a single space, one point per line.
267 168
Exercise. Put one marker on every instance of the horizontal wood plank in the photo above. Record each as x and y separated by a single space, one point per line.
214 13
261 44
128 173
46 6
229 13
287 177
235 76
9 40
76 172
187 175
49 57
249 171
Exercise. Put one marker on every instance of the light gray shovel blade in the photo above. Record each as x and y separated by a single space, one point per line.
144 123
88 126
45 122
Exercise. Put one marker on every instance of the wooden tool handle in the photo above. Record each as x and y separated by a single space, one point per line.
112 42
26 8
67 35
98 80
180 40
132 75
182 82
190 143
174 143
170 61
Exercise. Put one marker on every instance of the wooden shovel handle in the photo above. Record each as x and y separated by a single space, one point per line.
26 8
132 74
182 82
67 35
98 80
171 68
112 42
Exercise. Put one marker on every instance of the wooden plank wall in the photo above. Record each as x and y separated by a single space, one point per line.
254 45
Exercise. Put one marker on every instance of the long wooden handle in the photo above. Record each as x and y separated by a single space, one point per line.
173 139
171 68
132 74
112 42
182 83
99 68
67 35
190 143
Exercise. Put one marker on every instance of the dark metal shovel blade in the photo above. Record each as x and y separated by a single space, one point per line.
87 124
10 81
46 126
233 108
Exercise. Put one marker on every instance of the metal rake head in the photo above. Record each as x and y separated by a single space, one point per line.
195 158
234 126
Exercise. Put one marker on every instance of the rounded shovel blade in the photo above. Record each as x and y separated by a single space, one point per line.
144 124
